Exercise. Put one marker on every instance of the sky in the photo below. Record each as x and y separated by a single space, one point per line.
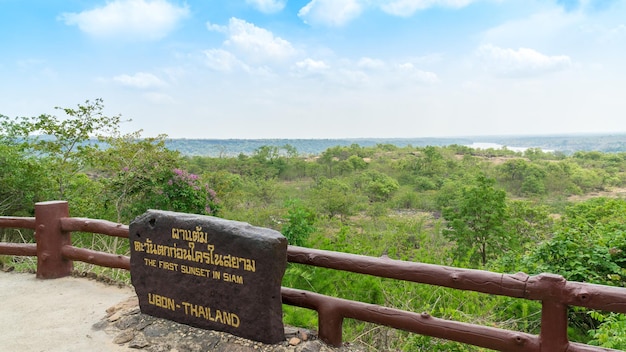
221 69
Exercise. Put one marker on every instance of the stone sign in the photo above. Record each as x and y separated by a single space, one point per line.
209 273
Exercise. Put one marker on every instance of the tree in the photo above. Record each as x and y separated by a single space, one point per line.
64 143
433 163
527 223
377 185
559 178
329 159
133 170
23 181
357 162
291 151
523 177
266 162
334 197
475 221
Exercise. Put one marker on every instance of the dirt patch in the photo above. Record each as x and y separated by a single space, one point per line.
612 193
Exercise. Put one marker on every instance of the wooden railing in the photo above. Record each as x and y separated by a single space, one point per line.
55 254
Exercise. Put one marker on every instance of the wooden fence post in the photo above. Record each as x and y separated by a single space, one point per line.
553 336
50 239
330 323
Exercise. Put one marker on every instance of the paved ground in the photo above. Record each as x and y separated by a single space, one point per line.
55 315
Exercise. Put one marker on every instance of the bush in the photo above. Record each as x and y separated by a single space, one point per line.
299 225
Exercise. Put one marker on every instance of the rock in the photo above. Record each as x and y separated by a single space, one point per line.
124 337
127 321
154 330
144 321
294 341
150 334
139 342
312 346
291 331
129 304
115 316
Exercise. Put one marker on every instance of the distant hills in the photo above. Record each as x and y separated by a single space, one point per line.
567 144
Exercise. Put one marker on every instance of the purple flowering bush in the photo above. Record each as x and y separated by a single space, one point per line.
184 192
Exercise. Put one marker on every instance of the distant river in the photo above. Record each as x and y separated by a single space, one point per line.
481 145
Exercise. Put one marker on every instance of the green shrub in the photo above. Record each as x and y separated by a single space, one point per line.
300 223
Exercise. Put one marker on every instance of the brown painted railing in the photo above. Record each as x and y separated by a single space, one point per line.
55 254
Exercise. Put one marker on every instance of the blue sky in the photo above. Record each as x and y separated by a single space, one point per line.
321 68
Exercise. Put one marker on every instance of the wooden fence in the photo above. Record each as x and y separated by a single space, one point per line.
55 254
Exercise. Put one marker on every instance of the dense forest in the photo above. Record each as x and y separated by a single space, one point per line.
492 209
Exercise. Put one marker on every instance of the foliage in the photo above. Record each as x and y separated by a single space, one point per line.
133 171
611 333
183 192
377 186
588 244
475 221
64 142
523 177
22 181
300 223
527 223
334 197
577 256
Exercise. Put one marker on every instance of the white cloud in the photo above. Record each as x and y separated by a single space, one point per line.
408 70
216 28
322 72
248 48
315 69
521 62
396 74
366 73
257 44
140 80
334 13
223 60
370 64
352 78
129 19
268 6
311 65
406 8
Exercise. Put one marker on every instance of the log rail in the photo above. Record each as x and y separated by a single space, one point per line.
55 254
